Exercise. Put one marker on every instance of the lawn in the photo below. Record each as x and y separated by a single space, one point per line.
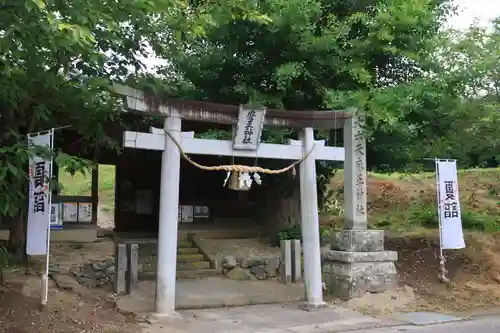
407 202
397 202
80 184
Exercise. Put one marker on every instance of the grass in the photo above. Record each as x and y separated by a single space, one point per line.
397 202
406 203
80 184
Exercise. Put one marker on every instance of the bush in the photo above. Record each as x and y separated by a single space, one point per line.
428 218
295 232
424 217
479 222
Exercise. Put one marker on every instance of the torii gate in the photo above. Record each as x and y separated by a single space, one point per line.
353 156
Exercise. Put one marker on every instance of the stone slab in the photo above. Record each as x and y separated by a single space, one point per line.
274 318
213 292
358 240
64 281
352 257
426 318
359 268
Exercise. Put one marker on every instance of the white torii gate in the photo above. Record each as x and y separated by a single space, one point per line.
355 215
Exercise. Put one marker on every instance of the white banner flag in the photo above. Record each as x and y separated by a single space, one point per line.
452 236
39 209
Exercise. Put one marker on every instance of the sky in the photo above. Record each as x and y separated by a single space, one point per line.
482 10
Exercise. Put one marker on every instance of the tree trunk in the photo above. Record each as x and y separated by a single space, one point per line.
282 209
17 224
17 237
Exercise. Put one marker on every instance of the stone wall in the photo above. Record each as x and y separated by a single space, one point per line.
255 268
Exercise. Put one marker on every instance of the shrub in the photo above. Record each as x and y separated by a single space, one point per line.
295 232
427 217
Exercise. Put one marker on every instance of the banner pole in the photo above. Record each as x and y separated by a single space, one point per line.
45 276
442 261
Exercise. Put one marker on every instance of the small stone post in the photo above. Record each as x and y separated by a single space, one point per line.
132 266
357 262
121 269
296 261
286 261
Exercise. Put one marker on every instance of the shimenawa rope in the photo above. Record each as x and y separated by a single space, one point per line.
238 167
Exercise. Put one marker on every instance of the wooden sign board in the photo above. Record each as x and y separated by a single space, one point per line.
249 128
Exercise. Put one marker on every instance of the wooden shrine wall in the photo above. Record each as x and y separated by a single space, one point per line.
138 176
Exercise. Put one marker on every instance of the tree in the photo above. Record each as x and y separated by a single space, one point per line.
56 62
475 73
315 54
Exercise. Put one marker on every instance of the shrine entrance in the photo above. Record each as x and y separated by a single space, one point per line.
177 146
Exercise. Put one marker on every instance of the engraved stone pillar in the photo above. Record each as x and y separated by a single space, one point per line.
357 262
120 269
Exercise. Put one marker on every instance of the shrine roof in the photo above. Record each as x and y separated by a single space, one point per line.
137 101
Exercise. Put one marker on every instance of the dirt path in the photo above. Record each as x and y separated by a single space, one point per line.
66 312
73 307
474 272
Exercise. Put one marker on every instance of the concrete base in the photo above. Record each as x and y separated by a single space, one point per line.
213 293
163 318
275 318
358 264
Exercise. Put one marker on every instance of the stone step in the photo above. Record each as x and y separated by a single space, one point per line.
184 244
193 265
181 266
187 250
197 273
189 274
190 257
180 250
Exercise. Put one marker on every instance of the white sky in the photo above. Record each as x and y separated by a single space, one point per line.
469 10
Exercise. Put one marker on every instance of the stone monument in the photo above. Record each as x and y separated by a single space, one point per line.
357 261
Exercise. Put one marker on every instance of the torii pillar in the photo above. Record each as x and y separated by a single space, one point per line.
168 221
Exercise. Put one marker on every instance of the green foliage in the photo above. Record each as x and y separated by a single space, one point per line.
312 55
57 60
387 58
290 233
494 191
295 232
473 221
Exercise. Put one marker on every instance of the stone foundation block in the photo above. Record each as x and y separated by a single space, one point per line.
352 274
358 240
